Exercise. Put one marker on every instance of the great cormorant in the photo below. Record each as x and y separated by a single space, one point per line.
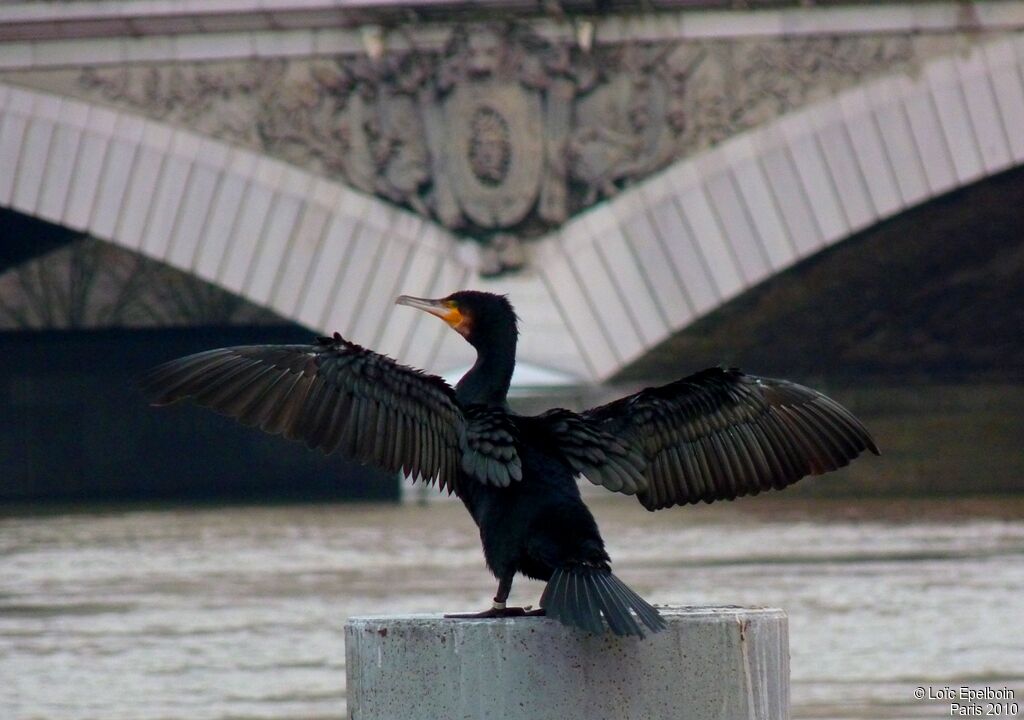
715 435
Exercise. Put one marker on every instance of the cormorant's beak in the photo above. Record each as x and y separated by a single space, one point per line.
443 309
434 307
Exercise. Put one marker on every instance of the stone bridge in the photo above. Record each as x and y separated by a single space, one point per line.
621 173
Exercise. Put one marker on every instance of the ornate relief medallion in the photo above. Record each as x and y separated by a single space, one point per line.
496 151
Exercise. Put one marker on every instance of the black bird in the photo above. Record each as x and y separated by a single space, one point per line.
715 435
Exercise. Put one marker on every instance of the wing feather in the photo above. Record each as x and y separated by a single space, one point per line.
334 395
715 435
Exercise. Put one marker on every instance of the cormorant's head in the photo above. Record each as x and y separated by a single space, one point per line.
477 316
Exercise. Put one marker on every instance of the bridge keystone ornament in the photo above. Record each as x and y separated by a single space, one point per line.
494 131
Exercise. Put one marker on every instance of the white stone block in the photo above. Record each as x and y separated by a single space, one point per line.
697 245
791 199
336 41
46 106
627 204
328 265
710 24
12 132
246 237
213 46
274 245
588 333
739 232
379 214
378 296
657 268
1000 15
606 301
154 141
193 215
1008 85
984 113
104 121
869 151
664 184
164 215
423 266
113 184
149 49
57 180
437 239
306 244
270 172
14 55
815 176
197 46
76 52
276 43
850 185
928 136
956 124
864 19
354 277
32 164
406 227
85 179
885 98
634 286
220 225
764 211
710 663
934 16
325 193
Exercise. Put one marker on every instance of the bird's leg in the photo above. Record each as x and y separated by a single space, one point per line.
498 608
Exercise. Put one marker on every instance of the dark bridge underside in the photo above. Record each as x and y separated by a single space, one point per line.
23 238
935 294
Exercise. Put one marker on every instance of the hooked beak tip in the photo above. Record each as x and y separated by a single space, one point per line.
433 306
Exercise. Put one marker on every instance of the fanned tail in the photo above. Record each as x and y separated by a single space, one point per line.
592 598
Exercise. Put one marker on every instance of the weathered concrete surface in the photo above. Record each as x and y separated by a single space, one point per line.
712 662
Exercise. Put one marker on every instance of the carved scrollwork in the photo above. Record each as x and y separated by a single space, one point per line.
501 131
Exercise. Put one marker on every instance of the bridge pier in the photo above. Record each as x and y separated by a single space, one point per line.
711 662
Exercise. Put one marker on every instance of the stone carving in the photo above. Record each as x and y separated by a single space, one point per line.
492 134
501 132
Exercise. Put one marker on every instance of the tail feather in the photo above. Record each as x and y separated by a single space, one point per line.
616 615
647 613
591 606
592 598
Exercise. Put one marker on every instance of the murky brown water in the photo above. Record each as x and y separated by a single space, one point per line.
238 612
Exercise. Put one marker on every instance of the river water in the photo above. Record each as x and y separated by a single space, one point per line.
238 612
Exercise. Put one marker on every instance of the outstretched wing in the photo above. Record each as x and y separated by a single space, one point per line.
720 434
335 396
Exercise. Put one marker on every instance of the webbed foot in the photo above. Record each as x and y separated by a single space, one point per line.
496 612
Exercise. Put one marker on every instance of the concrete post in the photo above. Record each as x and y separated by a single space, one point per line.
725 663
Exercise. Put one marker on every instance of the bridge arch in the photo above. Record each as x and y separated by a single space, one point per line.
602 290
631 272
272 233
